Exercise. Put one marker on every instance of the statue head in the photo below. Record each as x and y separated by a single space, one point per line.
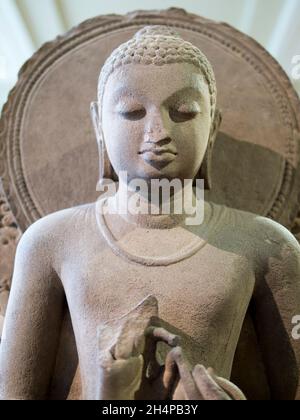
156 113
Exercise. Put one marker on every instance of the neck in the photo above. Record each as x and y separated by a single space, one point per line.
153 210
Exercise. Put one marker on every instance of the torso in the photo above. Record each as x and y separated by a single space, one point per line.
204 297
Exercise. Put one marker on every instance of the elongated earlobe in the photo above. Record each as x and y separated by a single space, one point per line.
106 170
95 119
206 167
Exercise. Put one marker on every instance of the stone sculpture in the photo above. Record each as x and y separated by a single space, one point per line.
156 118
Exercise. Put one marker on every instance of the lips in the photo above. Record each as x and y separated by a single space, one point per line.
158 155
158 150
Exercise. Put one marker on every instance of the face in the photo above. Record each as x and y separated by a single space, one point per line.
156 120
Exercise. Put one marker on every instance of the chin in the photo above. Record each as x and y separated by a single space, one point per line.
157 174
170 171
148 172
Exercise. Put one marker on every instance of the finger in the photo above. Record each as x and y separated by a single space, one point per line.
139 345
207 386
178 394
129 344
123 377
106 359
232 390
153 336
161 334
170 375
129 372
175 356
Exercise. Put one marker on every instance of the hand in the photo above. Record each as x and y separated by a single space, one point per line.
120 378
157 382
200 383
130 363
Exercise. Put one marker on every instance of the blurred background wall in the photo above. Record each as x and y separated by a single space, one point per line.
26 24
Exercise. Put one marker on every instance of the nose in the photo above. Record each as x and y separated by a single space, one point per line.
156 131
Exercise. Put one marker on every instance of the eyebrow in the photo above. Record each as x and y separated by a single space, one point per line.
187 89
124 91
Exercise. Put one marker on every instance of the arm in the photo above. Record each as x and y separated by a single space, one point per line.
276 301
33 320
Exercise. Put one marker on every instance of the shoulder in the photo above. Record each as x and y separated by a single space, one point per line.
253 233
268 233
275 233
44 235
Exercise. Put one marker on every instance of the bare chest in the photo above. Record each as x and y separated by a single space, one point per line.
197 295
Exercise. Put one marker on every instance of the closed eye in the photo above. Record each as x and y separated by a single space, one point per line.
184 112
130 109
178 116
134 115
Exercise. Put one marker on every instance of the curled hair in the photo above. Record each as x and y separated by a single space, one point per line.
158 45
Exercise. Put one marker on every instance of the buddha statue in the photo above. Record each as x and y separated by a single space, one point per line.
147 291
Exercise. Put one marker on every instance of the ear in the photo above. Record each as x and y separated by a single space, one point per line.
106 170
205 170
215 125
96 122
